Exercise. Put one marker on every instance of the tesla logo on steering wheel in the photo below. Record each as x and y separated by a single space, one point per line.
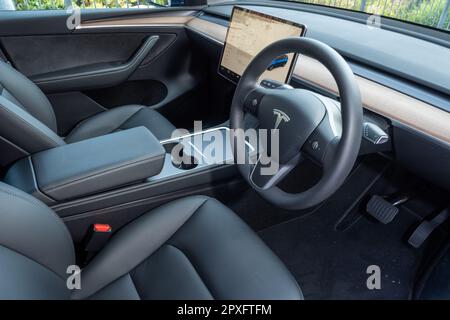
281 116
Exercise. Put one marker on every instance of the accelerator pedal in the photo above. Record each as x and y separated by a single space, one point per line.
424 230
381 209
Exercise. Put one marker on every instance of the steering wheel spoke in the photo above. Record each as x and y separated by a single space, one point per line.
253 99
264 175
322 144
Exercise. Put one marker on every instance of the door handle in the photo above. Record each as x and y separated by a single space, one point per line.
94 75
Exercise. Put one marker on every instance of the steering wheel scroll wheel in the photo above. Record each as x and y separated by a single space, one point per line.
306 124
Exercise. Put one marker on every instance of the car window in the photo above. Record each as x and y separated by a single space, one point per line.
432 13
91 4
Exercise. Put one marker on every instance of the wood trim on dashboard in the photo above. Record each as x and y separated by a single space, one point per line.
382 100
177 18
210 29
378 98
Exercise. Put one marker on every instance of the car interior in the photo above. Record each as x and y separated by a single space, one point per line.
92 116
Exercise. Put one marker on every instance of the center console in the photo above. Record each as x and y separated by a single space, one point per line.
116 177
192 153
89 167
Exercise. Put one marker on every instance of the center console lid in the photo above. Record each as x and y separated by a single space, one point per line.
89 166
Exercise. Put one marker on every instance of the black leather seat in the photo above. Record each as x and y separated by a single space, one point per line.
192 248
28 123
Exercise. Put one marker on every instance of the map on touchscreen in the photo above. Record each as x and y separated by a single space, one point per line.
250 32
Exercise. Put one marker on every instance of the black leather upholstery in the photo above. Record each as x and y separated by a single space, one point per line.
122 118
109 161
35 248
192 248
28 122
23 92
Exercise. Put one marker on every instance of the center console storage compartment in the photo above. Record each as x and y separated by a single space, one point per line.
89 166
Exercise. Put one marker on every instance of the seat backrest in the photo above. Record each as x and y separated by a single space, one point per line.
27 119
35 248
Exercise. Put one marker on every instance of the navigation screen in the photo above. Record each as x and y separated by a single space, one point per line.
250 32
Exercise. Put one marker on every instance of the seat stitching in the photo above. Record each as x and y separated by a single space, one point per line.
27 123
134 284
35 261
193 266
41 205
185 254
39 131
193 212
14 145
139 262
99 173
19 74
131 116
76 127
87 120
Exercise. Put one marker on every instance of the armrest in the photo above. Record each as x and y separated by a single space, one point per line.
94 165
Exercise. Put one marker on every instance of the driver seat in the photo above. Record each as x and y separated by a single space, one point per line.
192 248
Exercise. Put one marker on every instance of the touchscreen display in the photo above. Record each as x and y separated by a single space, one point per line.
250 32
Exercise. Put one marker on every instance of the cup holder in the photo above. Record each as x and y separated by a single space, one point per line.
186 164
183 161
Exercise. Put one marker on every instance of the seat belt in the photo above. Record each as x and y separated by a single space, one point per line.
426 227
95 239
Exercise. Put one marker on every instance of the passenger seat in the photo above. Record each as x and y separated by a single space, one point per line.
28 123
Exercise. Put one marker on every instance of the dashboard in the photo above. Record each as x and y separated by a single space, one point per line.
403 77
414 113
418 113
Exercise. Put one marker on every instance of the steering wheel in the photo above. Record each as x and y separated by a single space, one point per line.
308 124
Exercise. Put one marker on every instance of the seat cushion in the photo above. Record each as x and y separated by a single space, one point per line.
122 118
35 248
192 248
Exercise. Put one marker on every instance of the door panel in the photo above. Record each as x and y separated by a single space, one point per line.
106 62
97 74
68 51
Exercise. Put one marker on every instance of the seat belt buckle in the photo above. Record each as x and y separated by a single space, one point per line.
97 237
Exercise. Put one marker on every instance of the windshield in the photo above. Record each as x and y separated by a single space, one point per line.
432 13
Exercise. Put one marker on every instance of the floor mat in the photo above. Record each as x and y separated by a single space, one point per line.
331 264
257 212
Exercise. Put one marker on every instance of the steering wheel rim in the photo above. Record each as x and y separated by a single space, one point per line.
339 162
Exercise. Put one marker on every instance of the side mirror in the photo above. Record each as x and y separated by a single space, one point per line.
180 3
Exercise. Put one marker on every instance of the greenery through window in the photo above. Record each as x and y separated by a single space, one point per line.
63 4
433 13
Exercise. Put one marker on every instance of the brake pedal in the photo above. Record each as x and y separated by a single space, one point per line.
381 209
